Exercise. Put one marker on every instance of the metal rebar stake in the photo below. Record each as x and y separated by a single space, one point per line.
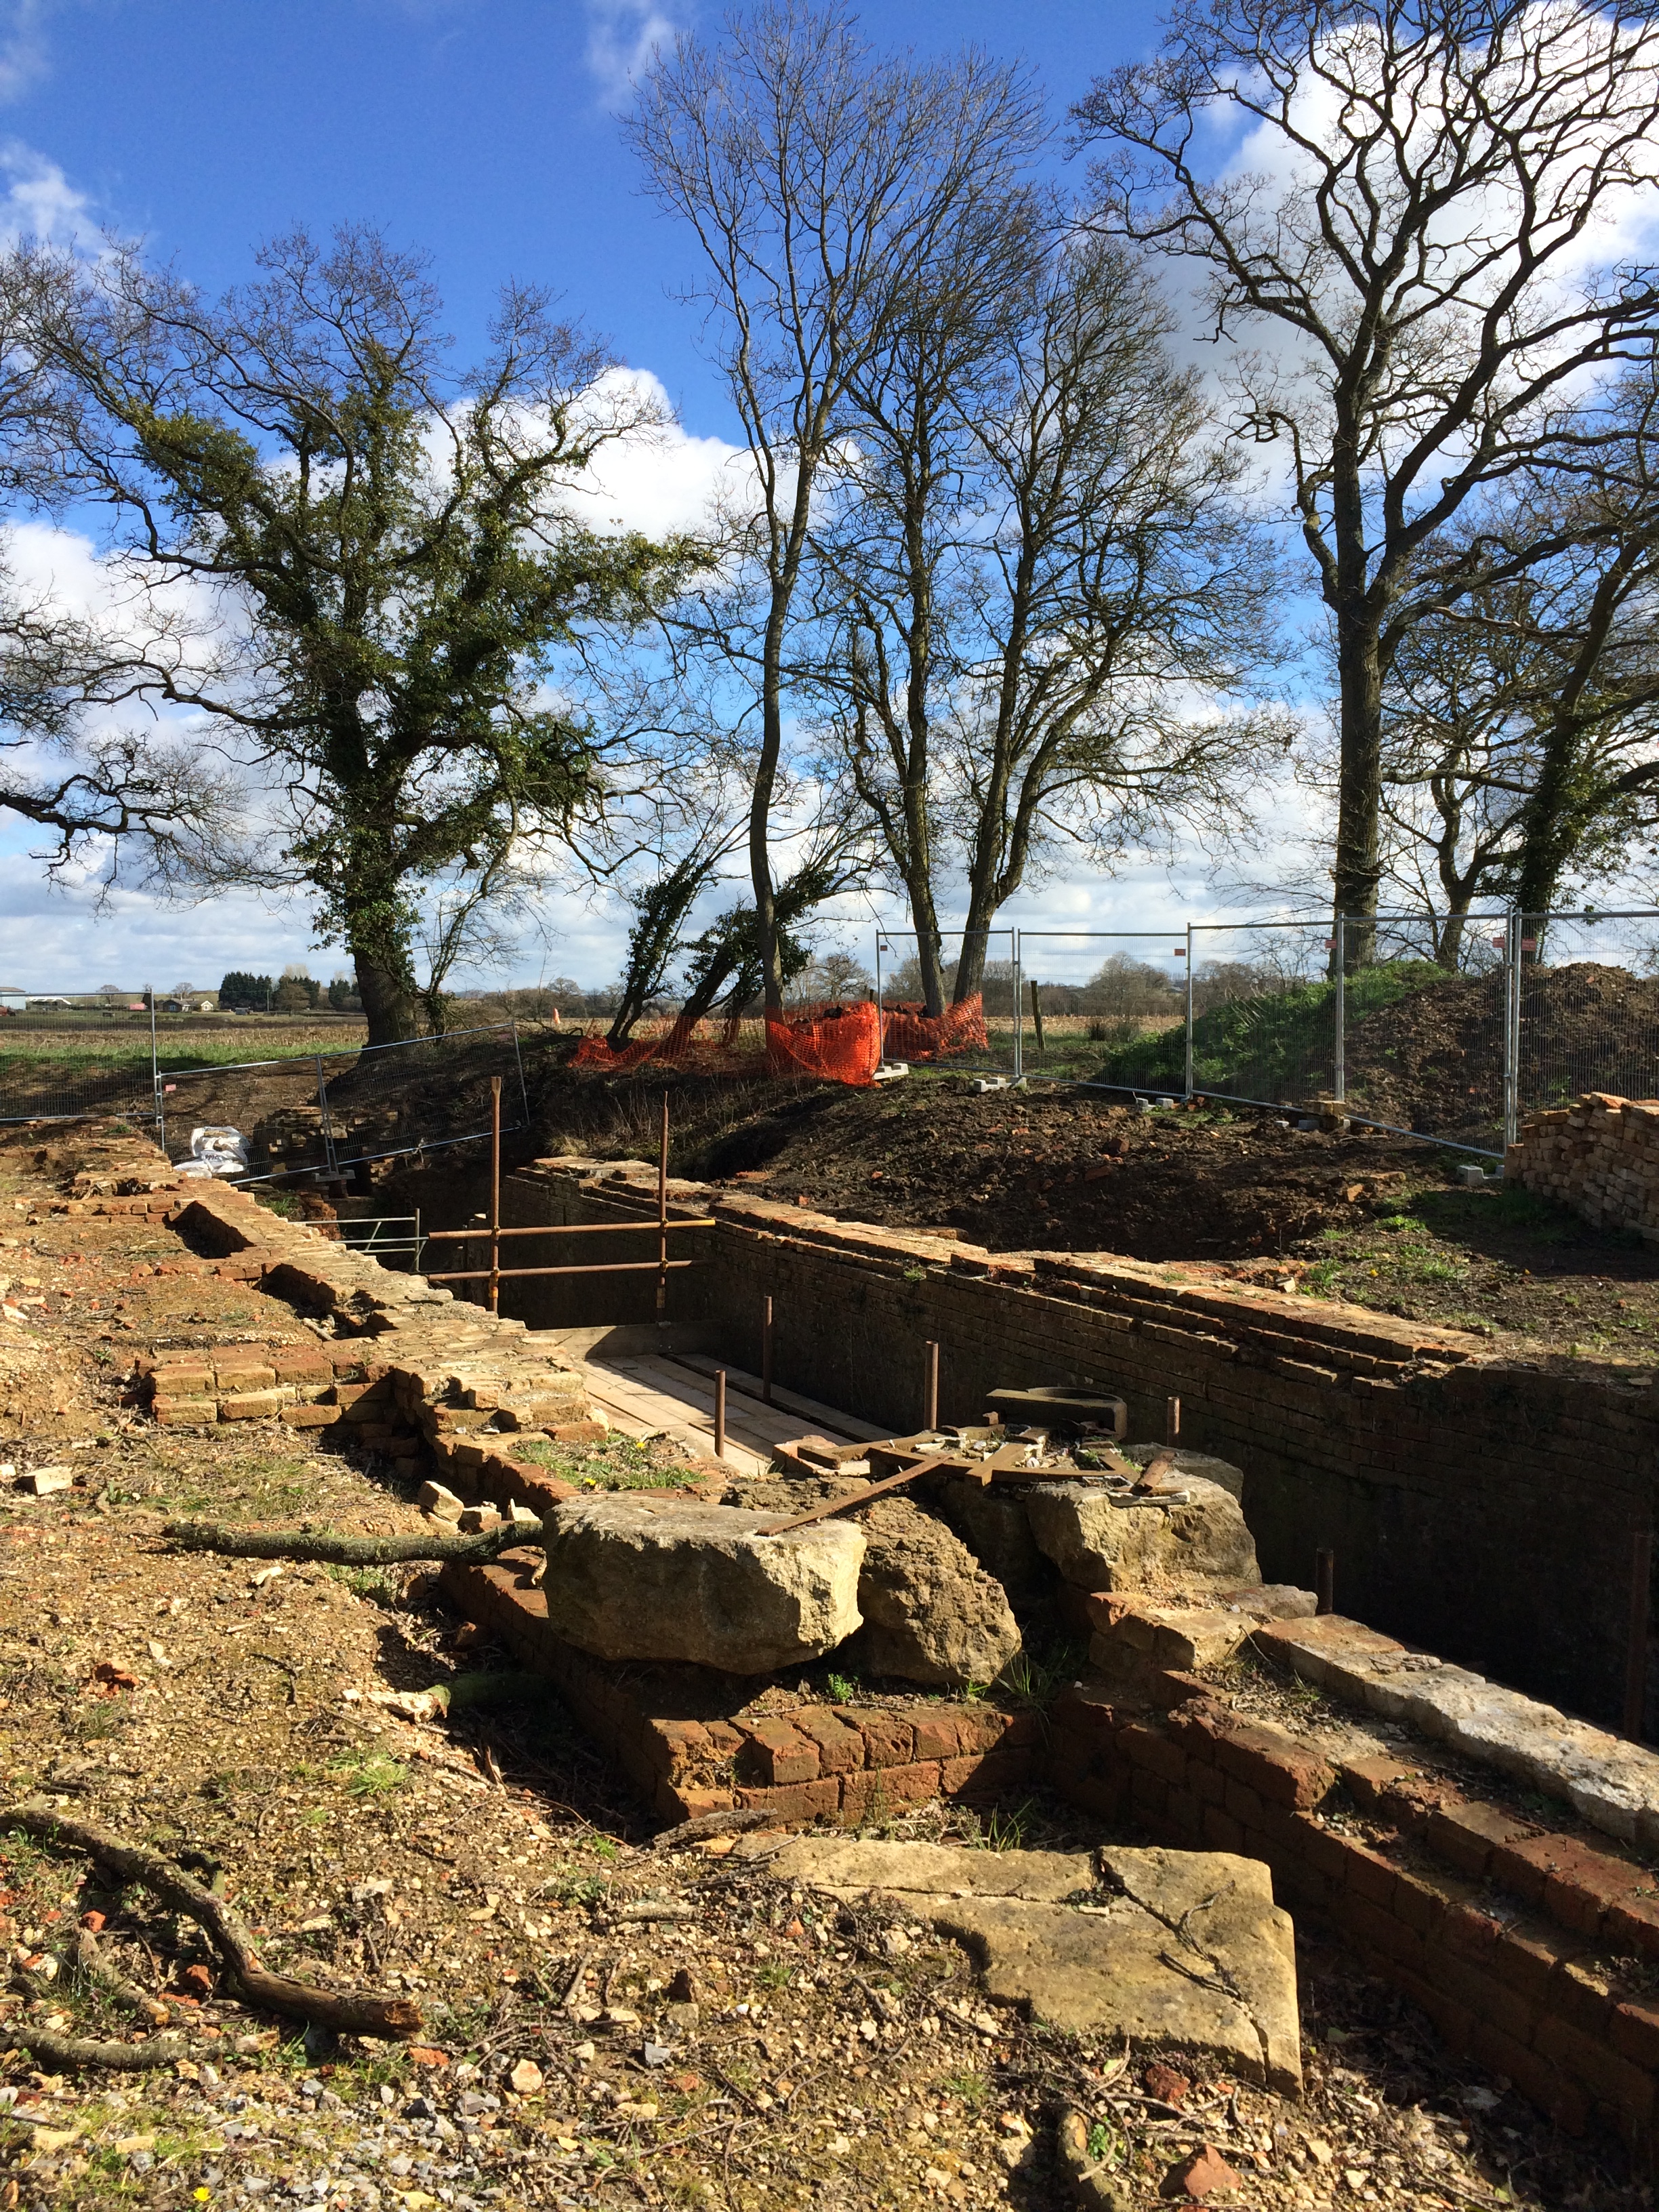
930 1388
1172 1420
719 1413
1189 1011
766 1351
1325 1580
662 1217
495 1193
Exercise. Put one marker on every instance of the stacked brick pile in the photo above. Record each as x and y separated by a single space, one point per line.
414 1374
309 1387
1600 1155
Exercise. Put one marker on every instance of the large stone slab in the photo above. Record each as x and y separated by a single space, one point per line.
629 1577
1609 1782
931 1612
1180 1948
1100 1545
993 1523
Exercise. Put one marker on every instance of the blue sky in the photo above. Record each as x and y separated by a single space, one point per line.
484 131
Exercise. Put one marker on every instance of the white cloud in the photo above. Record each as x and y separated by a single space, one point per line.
39 201
22 45
622 37
656 479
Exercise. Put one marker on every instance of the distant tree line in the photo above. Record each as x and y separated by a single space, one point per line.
295 992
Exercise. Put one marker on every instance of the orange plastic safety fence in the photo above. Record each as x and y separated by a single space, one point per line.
670 1044
834 1044
840 1045
910 1034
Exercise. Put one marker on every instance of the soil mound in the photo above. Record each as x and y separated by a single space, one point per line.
1434 1060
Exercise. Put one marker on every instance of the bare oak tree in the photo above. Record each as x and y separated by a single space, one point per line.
1044 585
1409 225
817 177
1526 714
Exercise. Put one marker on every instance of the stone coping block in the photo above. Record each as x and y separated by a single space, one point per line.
1099 1544
1612 1783
629 1577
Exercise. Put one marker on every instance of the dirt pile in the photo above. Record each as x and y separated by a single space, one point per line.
1022 1169
1435 1060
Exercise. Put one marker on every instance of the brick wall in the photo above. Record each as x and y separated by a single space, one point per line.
1481 1507
684 1737
1528 1949
1600 1155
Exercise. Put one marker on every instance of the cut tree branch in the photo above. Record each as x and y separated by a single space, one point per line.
347 2013
348 1551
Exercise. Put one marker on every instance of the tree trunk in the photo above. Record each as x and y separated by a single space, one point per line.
970 964
1359 783
924 915
1449 942
1551 824
389 1000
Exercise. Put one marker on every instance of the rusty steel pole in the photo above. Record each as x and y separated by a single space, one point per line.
930 1407
1172 1421
1636 1650
1325 1580
495 1193
719 1413
662 1216
766 1349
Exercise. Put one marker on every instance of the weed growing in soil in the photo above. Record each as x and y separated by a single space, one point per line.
619 1463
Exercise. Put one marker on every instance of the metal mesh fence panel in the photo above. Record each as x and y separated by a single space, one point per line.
327 1112
1106 1006
1587 1007
66 1057
1423 1028
979 1028
1265 1012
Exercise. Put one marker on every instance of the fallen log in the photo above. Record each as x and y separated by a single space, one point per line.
67 2051
316 1544
348 2012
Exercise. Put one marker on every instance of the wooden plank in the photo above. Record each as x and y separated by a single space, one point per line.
675 1382
641 1411
827 1421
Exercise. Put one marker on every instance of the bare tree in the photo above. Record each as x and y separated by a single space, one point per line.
817 176
896 540
1412 221
147 801
1522 722
1045 583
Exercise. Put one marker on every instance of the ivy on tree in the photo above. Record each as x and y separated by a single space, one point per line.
387 550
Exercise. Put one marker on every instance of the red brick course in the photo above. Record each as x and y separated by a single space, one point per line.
1523 1993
